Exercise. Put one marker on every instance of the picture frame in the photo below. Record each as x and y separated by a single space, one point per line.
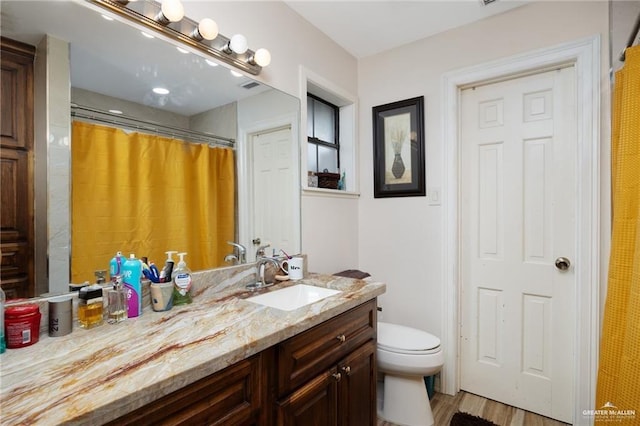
398 149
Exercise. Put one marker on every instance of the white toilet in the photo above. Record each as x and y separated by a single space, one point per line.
405 355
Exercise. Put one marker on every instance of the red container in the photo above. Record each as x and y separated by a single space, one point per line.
22 325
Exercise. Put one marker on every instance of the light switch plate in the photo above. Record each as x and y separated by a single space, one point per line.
433 193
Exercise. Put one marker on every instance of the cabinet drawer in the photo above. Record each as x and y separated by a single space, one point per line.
231 396
306 355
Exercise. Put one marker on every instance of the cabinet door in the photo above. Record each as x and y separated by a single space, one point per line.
16 169
314 404
357 388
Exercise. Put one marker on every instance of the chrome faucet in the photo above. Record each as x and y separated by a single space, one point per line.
260 252
261 266
242 252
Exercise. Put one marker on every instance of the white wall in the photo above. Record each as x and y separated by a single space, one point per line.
400 238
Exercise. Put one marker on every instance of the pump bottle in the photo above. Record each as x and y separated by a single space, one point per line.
181 282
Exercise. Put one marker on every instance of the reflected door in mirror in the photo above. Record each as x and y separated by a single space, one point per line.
16 170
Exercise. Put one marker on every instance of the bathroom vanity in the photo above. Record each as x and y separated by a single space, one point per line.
221 360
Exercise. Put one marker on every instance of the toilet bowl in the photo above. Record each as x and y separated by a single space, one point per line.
405 355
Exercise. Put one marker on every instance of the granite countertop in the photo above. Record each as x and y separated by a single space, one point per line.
94 376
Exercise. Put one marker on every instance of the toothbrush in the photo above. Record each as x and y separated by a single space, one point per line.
285 253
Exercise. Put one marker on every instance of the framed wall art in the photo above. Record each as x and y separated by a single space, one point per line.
398 149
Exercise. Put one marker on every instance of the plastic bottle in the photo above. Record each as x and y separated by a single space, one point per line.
132 279
182 282
115 266
3 344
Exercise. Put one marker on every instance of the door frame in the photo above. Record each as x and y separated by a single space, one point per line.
245 174
584 55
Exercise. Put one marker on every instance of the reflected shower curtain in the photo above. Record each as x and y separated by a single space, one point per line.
146 194
619 367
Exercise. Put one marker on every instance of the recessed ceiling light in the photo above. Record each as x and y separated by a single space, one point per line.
147 35
235 73
108 18
115 111
160 91
181 50
211 63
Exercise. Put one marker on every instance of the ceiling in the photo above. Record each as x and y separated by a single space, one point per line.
130 70
368 27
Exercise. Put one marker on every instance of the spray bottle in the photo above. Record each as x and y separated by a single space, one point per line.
132 279
182 282
115 266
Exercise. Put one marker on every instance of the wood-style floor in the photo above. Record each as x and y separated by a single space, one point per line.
445 406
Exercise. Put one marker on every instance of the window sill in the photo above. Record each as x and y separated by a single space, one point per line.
323 192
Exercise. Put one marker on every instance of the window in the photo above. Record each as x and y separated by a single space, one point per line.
322 135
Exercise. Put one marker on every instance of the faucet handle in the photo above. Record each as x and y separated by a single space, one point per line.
260 252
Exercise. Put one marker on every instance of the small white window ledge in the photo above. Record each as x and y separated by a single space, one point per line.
323 192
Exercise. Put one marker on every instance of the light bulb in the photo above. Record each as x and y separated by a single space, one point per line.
238 44
208 29
173 10
262 57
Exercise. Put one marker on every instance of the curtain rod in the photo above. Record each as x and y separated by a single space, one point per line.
632 37
96 115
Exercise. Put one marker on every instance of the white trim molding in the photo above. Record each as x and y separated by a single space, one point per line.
584 55
347 103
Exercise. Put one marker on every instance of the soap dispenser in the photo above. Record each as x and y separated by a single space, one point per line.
181 282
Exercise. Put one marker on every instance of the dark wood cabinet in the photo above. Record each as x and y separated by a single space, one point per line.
324 376
327 375
313 404
232 396
16 169
357 387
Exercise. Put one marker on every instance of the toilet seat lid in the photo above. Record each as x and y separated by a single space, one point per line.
399 338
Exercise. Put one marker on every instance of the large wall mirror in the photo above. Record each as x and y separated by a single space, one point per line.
113 66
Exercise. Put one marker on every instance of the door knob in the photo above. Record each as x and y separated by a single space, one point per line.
346 370
337 376
563 263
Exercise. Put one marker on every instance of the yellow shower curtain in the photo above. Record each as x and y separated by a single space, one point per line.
145 194
619 367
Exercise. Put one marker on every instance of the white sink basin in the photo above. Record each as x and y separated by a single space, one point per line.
294 297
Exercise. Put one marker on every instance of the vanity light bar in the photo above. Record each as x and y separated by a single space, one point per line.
145 13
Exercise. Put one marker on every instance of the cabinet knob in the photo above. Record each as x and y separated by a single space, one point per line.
341 338
346 370
337 376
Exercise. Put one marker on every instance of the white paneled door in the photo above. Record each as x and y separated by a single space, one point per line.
274 188
518 230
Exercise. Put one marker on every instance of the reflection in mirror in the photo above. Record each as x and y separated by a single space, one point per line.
165 147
